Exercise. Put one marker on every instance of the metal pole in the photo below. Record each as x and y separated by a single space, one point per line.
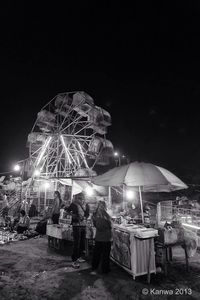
109 197
123 195
72 191
140 194
39 195
158 214
45 197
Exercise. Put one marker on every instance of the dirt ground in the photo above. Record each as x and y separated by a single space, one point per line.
30 270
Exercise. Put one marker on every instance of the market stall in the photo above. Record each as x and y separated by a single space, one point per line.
141 177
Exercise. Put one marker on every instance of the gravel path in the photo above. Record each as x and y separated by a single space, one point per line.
29 270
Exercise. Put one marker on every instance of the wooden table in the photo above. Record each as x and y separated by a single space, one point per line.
57 234
167 255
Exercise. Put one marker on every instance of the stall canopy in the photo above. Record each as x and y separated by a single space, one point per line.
145 176
76 188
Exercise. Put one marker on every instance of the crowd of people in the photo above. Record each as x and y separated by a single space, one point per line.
79 211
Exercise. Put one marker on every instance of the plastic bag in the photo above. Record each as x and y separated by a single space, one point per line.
49 222
170 236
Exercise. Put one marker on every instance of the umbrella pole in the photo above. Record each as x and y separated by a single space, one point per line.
140 194
109 197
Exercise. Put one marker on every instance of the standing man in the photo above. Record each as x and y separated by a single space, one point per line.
80 212
56 207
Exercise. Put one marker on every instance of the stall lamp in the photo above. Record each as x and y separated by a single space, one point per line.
130 195
17 168
89 191
116 153
46 185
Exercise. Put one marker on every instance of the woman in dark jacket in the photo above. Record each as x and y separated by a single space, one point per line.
102 222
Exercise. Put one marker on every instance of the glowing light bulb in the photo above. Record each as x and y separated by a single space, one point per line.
130 195
17 168
46 185
89 191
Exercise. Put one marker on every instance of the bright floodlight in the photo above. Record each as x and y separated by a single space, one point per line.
36 173
130 195
89 191
17 168
116 153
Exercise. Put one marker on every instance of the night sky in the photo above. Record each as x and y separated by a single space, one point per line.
141 63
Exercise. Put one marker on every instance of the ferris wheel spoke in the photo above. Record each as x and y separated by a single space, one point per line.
35 154
65 119
65 148
82 154
42 152
80 130
75 152
62 128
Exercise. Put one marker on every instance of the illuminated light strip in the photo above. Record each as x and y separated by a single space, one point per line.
69 153
43 150
66 150
191 226
71 156
83 155
77 157
76 154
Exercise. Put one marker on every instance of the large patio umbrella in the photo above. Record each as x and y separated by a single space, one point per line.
146 176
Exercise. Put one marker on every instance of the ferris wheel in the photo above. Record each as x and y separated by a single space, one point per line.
69 136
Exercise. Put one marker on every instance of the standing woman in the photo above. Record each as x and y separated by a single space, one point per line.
102 222
56 207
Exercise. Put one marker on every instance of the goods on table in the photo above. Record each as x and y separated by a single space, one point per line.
7 236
